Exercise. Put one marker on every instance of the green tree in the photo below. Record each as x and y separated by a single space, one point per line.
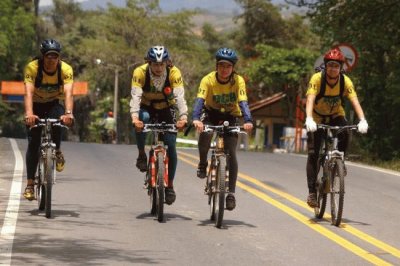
278 69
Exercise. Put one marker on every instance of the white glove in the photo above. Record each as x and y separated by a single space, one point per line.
362 126
311 125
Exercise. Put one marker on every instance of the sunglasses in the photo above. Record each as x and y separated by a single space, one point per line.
52 56
333 64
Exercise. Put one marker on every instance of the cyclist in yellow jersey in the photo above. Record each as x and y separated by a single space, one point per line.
158 92
48 80
221 97
328 109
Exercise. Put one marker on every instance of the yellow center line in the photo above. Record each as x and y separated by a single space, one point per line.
345 227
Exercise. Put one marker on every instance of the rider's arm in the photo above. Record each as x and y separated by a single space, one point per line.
310 104
136 93
357 108
30 117
244 107
179 94
69 99
28 99
197 109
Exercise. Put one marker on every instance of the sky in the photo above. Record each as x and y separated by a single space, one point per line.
50 2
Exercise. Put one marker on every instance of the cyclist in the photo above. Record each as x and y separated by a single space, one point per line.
157 91
109 126
47 81
328 109
221 97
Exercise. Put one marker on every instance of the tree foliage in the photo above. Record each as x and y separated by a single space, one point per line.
278 69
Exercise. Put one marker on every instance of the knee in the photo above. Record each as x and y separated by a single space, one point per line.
144 116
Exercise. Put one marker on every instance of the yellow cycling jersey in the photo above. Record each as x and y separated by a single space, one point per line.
331 103
223 97
49 90
151 96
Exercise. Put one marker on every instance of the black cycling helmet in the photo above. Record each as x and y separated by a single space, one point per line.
50 45
226 54
157 54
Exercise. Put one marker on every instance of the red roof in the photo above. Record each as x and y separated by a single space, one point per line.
267 101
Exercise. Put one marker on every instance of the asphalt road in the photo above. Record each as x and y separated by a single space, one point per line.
101 214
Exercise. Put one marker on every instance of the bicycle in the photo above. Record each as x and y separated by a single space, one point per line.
217 181
331 182
156 179
45 176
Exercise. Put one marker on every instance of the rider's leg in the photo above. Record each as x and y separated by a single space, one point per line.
343 136
230 143
313 147
203 146
170 141
56 111
32 158
141 161
32 153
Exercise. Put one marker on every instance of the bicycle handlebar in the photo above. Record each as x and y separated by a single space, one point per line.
41 122
224 128
160 127
338 128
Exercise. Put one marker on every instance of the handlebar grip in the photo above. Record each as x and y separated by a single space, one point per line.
188 130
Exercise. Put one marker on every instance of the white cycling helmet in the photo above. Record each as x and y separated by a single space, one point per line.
157 54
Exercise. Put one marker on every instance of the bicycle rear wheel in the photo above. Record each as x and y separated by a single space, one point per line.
322 189
160 186
337 193
220 193
48 177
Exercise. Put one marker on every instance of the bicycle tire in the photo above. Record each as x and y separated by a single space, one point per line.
48 176
40 189
321 194
160 186
211 192
337 193
220 194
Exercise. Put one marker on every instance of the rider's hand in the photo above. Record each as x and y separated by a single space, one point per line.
362 126
181 123
311 125
30 120
198 125
248 127
137 123
67 119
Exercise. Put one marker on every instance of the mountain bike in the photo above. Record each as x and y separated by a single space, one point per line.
45 176
217 181
156 179
331 182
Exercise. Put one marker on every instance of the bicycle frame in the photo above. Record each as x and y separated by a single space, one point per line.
46 172
331 160
217 182
158 163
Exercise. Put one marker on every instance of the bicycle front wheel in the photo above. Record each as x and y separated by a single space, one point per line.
337 191
321 197
160 187
220 193
48 177
40 188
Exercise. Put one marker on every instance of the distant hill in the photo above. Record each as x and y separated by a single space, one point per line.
216 12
